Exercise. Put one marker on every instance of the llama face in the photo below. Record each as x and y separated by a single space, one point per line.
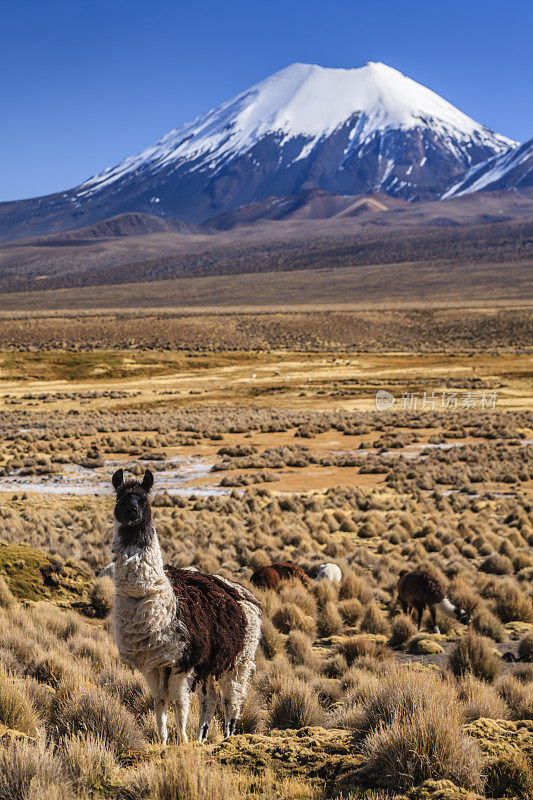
132 509
462 614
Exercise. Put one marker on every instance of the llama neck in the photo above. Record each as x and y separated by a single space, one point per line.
145 614
139 569
447 608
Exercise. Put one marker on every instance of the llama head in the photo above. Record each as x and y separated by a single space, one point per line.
462 614
132 509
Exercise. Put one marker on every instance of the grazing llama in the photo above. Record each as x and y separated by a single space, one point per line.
182 629
421 589
329 572
270 577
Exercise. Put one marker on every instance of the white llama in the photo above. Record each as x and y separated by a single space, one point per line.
329 572
181 628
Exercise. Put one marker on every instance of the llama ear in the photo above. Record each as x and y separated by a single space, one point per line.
118 479
148 481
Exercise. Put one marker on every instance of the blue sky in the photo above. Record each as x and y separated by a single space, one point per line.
87 82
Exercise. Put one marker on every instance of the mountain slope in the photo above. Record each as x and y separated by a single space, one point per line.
510 170
345 131
308 205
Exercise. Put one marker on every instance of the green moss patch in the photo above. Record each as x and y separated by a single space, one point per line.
309 753
498 736
34 575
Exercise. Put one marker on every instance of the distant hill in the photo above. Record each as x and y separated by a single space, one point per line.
482 228
133 224
122 225
311 204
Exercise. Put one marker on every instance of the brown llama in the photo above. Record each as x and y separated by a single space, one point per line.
270 577
419 590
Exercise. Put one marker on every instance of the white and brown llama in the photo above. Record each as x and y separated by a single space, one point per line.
183 629
419 590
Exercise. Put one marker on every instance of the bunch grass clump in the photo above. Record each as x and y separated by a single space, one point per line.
475 655
410 729
295 705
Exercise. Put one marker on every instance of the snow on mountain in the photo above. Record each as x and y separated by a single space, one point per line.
510 170
305 128
308 103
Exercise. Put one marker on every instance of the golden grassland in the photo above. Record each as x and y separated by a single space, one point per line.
348 699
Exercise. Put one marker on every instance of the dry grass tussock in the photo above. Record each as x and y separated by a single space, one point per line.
475 655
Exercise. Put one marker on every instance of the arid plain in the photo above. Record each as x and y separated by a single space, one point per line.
262 430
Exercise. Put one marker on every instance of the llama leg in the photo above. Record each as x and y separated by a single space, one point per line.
208 701
180 693
420 610
433 613
233 686
158 685
405 607
160 708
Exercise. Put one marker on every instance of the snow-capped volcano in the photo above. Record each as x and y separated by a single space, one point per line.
346 131
302 107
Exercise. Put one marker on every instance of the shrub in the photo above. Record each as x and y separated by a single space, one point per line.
88 760
252 718
351 610
525 647
183 774
271 639
6 598
524 673
299 649
497 564
403 629
354 586
51 668
295 705
374 620
408 752
512 604
412 729
325 592
30 771
16 711
480 699
291 616
335 666
401 692
102 596
485 623
91 710
273 676
130 688
474 654
356 647
329 620
522 561
518 696
294 592
509 775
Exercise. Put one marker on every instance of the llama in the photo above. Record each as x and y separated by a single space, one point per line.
420 589
329 572
270 577
181 628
